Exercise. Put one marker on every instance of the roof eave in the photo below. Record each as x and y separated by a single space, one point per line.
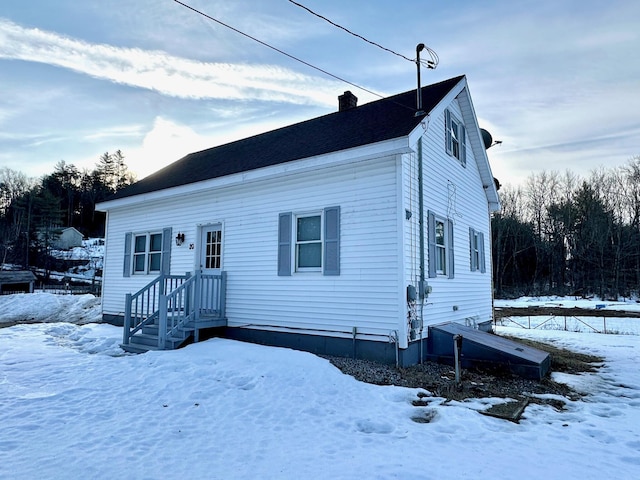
394 146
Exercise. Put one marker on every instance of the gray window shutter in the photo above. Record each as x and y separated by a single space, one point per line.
472 234
166 251
483 266
284 244
126 270
331 261
431 234
447 131
463 146
451 270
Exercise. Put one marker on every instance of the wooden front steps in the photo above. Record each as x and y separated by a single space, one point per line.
171 309
147 338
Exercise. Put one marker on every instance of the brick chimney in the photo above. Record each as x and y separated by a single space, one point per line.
347 101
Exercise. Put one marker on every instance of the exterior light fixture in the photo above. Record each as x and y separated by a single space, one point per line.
179 239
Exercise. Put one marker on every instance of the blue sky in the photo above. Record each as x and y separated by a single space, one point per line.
556 81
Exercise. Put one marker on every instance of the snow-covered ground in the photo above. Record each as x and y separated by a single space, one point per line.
599 321
73 406
629 305
92 250
48 308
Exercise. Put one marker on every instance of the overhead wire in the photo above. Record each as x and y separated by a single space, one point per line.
432 63
277 49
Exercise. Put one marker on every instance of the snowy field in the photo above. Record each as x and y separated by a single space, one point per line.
73 406
598 322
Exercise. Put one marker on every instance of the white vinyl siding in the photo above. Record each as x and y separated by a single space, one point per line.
359 284
457 195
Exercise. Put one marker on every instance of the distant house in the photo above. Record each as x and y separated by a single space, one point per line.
17 281
67 238
347 234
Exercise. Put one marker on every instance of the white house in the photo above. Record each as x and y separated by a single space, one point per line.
347 234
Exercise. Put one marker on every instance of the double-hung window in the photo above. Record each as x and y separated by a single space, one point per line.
456 138
308 242
441 253
147 252
441 248
476 251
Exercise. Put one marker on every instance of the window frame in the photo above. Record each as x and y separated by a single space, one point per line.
330 225
441 248
455 139
297 243
476 251
147 254
441 256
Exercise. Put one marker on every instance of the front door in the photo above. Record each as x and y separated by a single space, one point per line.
211 249
211 288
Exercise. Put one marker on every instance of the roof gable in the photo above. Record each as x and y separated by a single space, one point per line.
381 120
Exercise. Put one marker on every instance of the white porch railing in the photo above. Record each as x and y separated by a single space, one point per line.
174 302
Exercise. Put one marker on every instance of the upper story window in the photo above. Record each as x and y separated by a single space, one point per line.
147 252
456 138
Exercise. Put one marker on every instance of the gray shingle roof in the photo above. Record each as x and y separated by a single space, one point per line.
381 120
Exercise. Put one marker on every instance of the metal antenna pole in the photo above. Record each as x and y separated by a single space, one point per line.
419 111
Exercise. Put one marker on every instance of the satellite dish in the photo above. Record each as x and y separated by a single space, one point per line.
487 139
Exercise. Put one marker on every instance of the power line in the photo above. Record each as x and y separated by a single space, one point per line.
277 49
433 63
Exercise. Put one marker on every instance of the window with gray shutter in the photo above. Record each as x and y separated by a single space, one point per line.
440 246
455 137
147 253
309 242
476 251
126 272
331 241
284 244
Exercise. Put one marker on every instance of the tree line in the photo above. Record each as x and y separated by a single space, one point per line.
34 210
567 235
558 233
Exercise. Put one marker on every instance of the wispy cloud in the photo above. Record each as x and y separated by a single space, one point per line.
159 71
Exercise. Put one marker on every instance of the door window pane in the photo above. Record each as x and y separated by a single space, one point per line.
213 249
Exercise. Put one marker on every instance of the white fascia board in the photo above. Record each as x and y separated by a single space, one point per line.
477 145
353 155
